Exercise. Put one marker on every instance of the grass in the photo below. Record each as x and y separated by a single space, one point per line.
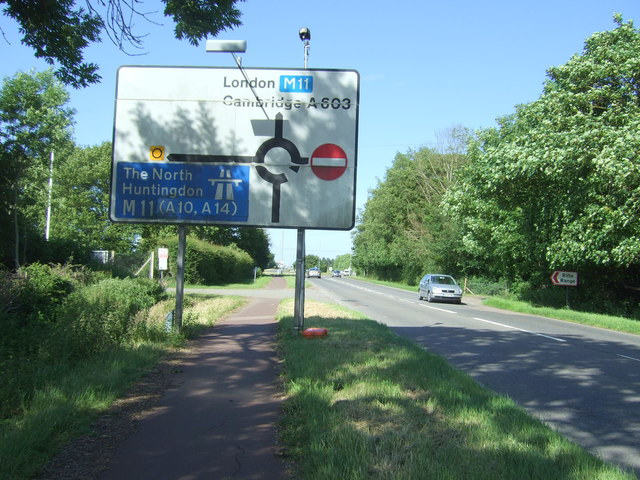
76 395
260 282
596 320
360 403
363 403
66 407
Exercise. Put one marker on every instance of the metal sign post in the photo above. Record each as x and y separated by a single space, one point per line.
566 279
298 306
182 246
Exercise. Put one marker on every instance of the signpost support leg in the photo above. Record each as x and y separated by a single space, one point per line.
182 241
298 313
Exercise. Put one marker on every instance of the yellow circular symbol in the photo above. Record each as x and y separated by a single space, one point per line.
156 153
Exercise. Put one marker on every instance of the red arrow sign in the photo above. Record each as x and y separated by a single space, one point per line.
568 279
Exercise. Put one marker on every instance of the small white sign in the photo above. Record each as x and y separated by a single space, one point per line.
163 259
567 279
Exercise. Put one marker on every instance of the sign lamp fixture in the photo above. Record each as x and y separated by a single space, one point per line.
231 46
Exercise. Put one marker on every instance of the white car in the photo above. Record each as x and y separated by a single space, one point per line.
436 286
314 273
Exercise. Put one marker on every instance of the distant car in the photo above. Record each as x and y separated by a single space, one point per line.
346 273
336 273
314 273
436 286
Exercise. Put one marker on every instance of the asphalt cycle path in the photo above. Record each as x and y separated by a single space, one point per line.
219 421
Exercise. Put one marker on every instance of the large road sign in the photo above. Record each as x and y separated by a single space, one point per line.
259 147
567 279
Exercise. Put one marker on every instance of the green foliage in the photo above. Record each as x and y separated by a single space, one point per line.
59 32
254 241
101 316
34 121
66 397
44 288
38 289
81 203
55 316
311 261
404 231
557 185
342 262
208 264
196 21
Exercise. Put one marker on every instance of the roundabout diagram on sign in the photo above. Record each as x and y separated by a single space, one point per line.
328 162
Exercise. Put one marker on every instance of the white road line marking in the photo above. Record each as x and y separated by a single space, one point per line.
436 308
629 358
519 329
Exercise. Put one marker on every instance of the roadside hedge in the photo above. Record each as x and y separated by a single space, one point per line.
208 264
103 315
50 318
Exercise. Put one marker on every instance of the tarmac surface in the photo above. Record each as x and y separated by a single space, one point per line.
219 420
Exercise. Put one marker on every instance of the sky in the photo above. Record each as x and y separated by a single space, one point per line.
425 66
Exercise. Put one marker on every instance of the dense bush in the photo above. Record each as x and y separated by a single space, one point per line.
44 287
209 264
50 318
102 315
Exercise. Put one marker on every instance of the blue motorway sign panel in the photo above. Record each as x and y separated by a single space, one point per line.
220 146
182 192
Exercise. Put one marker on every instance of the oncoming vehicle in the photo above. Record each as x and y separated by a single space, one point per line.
336 273
314 272
436 286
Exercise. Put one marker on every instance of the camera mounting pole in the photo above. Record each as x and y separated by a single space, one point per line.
305 36
298 306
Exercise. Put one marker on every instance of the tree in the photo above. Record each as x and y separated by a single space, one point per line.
342 262
403 230
81 203
311 261
60 30
34 121
557 184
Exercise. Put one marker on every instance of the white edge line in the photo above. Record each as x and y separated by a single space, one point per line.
519 329
628 358
440 309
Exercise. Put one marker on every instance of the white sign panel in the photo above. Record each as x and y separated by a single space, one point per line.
253 147
163 259
568 279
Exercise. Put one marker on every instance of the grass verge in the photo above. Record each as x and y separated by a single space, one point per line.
249 284
363 403
75 395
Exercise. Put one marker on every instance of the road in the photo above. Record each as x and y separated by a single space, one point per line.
582 381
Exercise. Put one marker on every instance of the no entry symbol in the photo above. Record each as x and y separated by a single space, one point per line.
328 161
